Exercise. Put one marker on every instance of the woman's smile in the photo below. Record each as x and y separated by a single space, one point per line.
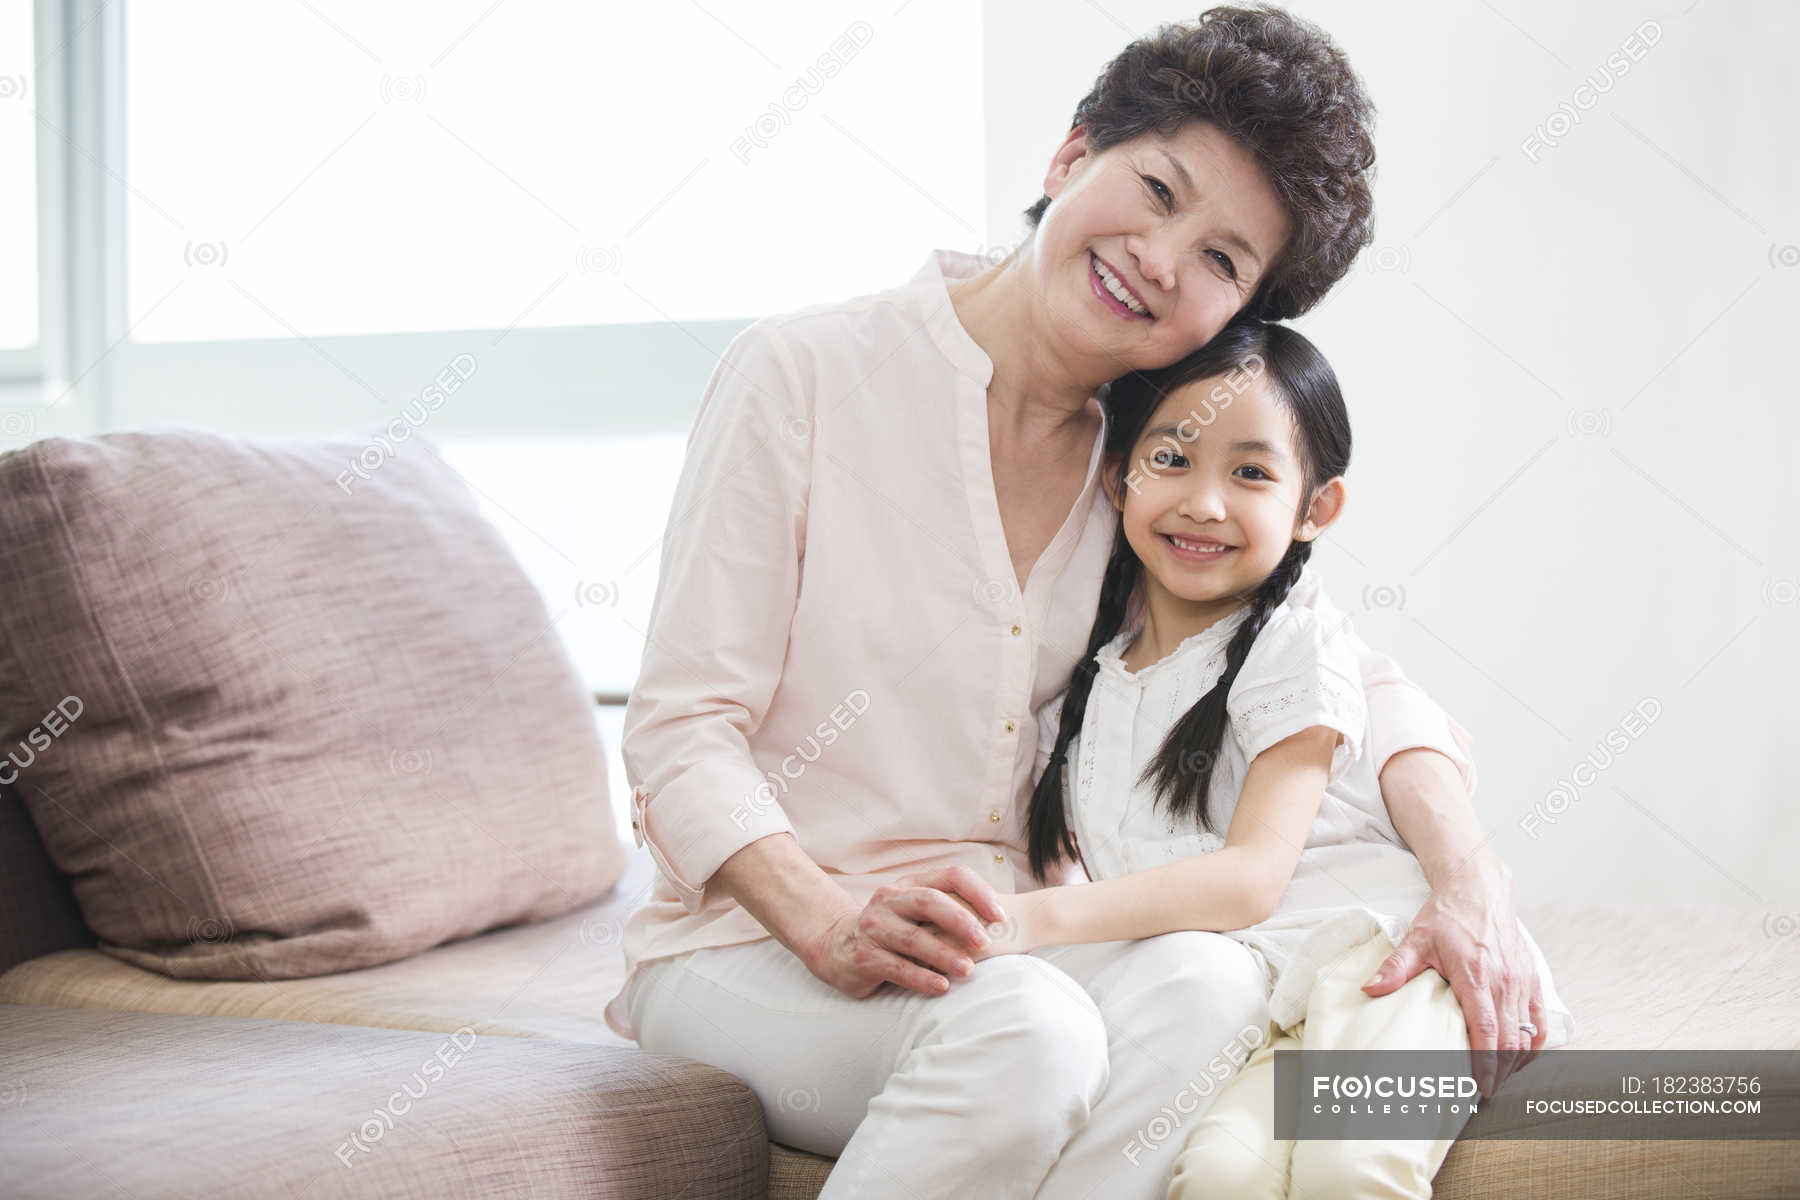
1119 297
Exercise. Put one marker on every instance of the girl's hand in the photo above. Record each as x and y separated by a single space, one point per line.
1022 930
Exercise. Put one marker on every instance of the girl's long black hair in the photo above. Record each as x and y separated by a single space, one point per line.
1300 379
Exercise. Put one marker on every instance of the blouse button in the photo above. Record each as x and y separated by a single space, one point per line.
1011 725
999 858
1016 631
994 815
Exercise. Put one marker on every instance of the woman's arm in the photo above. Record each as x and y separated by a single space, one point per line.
713 658
1233 888
1468 931
856 948
714 648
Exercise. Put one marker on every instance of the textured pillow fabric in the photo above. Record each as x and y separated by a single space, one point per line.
275 720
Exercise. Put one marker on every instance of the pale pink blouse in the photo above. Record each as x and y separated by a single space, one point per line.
839 648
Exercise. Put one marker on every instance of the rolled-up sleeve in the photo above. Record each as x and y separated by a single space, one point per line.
719 625
1403 717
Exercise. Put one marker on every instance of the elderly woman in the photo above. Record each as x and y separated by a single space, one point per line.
883 558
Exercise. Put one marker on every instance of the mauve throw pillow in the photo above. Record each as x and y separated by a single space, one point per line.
275 719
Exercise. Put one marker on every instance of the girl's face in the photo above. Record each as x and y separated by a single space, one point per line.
1185 226
1211 497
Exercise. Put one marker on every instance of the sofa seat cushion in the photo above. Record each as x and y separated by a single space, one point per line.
1680 977
1675 977
548 979
1688 977
116 1103
274 718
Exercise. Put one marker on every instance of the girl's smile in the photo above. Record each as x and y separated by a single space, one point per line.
1200 550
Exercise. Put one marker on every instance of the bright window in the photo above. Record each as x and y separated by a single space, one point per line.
585 517
370 167
18 166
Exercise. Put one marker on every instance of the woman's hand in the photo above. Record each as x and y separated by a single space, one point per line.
913 933
1469 932
1469 928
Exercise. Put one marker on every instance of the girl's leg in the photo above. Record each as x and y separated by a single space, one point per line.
1182 1012
1232 1151
1422 1015
972 1092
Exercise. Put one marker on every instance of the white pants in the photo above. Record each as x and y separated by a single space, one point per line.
1233 1151
1071 1072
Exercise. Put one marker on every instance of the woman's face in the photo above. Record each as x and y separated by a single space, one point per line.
1185 226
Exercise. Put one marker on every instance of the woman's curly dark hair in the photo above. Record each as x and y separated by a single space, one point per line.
1281 89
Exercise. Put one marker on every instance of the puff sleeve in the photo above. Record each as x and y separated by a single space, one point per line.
1302 671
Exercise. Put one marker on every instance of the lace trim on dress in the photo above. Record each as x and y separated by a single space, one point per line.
1112 655
1335 699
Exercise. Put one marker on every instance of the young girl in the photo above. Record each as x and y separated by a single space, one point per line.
1211 699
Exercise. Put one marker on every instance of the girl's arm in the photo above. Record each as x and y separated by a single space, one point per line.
1232 888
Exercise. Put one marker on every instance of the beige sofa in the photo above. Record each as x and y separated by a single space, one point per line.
185 1010
1696 977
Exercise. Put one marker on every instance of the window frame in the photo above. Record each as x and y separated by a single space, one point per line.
87 375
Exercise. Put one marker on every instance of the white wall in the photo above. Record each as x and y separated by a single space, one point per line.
1571 384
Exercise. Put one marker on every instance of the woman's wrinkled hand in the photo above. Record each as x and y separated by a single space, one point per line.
1469 932
919 932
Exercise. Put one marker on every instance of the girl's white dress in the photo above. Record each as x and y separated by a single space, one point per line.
1355 875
